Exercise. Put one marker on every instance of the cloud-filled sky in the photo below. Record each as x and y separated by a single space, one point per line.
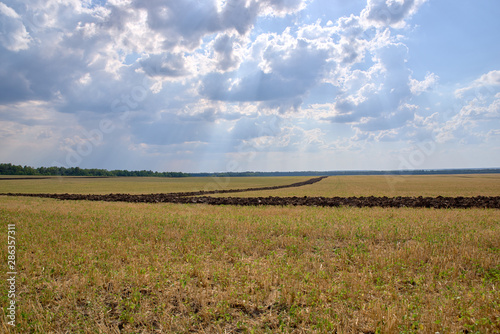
261 85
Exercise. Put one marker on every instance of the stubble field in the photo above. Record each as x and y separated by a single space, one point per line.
104 267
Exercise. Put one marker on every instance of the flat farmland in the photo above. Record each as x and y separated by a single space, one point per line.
341 186
390 185
135 185
114 267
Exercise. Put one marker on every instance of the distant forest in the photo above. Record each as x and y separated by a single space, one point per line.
359 172
10 169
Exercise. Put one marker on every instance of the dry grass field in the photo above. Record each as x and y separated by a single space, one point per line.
391 185
101 267
136 185
342 186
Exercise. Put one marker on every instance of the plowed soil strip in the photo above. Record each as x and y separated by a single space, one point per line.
439 202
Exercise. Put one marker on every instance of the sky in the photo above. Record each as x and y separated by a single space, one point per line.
250 85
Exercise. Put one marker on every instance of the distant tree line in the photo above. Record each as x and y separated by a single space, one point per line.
357 172
10 169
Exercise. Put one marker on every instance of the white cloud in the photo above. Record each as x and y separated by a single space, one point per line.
287 69
227 59
377 93
487 84
282 7
479 114
389 12
164 65
418 87
13 34
181 79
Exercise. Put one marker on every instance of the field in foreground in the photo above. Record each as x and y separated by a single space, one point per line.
139 268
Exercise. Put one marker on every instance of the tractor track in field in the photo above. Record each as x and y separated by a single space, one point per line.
200 197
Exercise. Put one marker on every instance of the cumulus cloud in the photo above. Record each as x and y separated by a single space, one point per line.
373 98
479 113
288 69
224 48
257 87
487 84
172 130
240 15
418 87
282 7
387 121
181 23
13 34
389 12
187 77
185 23
164 65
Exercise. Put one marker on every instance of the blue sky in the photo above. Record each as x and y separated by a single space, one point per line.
237 85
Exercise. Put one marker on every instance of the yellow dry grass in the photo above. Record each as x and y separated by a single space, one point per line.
138 185
96 267
343 186
391 185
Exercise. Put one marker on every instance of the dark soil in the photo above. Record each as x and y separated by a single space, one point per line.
439 202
